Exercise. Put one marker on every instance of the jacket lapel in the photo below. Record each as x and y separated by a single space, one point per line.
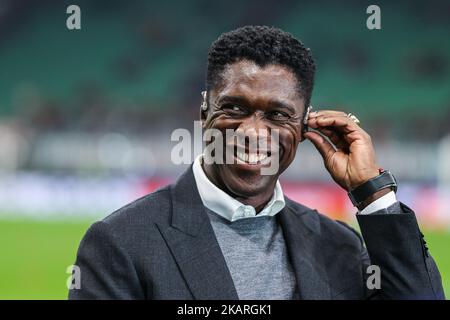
194 245
301 231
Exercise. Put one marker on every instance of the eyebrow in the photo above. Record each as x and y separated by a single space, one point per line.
243 100
232 99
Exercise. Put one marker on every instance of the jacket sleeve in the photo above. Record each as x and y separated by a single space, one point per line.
105 269
395 244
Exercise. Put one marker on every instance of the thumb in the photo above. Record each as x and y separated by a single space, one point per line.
322 145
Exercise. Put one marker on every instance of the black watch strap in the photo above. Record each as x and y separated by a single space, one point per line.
382 181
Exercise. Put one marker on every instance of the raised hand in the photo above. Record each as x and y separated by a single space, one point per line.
350 157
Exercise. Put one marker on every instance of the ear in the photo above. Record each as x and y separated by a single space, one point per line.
203 116
302 138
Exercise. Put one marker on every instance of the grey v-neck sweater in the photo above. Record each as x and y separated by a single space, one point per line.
256 255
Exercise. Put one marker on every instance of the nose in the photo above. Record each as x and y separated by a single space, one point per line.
253 121
254 131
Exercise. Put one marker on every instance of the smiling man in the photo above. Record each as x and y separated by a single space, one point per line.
226 231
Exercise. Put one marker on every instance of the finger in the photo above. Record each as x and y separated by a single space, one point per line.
322 145
339 123
318 122
357 136
321 113
338 139
343 127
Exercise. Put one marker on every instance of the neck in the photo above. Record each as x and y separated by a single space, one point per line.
255 202
258 201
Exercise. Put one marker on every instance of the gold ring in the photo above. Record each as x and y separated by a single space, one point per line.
353 118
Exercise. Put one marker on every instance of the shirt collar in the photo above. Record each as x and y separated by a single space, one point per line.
226 206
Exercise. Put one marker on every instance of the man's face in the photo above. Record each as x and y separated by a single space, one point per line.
250 97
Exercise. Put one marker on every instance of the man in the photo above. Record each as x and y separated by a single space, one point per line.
226 231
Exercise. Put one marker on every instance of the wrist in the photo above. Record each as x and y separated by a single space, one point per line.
377 195
373 189
364 178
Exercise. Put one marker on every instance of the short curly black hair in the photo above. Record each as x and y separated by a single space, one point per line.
264 45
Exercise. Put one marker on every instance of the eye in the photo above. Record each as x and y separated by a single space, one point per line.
233 109
278 115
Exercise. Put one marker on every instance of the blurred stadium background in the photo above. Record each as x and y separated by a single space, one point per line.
86 116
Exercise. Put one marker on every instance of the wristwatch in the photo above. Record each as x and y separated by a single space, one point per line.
384 180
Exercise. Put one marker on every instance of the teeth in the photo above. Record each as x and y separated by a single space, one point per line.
262 157
242 156
251 158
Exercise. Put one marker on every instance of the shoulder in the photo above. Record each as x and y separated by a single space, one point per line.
153 207
137 218
330 229
131 229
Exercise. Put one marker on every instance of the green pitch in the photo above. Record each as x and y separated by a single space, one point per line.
34 257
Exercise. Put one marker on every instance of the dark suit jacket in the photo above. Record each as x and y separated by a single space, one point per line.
162 246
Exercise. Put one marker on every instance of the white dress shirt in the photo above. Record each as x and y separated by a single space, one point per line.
231 209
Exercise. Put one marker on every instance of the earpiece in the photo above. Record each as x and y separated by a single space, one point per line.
204 104
305 119
305 122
